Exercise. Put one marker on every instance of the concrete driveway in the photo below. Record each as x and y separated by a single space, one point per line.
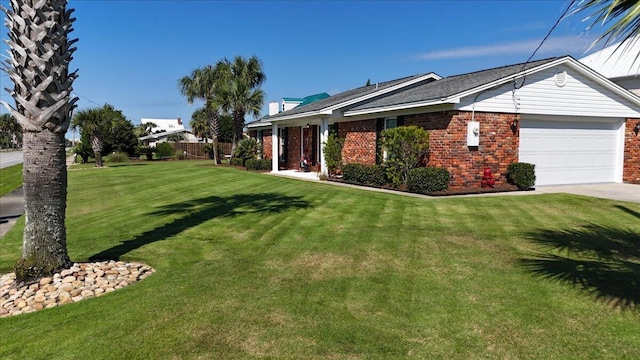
620 192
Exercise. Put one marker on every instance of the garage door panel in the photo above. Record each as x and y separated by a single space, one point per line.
569 152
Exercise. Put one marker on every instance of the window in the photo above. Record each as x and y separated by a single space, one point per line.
390 123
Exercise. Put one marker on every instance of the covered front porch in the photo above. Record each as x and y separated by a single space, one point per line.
294 145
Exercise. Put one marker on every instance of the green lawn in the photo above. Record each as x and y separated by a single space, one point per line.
10 179
255 266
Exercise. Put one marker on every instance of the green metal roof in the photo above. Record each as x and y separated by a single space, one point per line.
311 98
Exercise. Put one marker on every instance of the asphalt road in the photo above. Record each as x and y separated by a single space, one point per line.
10 158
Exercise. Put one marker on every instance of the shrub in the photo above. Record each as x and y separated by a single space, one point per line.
427 180
258 164
405 146
117 157
164 150
236 161
371 175
180 156
523 175
247 148
333 152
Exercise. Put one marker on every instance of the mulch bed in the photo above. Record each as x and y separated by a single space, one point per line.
499 188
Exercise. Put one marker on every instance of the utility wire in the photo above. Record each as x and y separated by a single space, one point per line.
515 84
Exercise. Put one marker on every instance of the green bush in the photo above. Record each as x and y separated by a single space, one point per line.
405 147
370 175
147 151
117 157
333 152
208 149
258 164
247 148
164 150
237 161
523 175
427 180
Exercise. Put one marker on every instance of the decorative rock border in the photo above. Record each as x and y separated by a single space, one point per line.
81 281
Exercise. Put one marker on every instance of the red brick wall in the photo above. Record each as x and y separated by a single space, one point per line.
448 144
293 148
360 141
267 144
631 170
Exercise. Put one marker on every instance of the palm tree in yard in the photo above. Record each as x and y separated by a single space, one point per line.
204 84
241 93
40 52
199 124
95 122
144 129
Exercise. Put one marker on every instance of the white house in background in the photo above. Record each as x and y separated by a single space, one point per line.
288 103
619 63
165 128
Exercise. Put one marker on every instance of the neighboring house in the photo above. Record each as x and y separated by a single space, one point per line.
165 128
619 63
573 123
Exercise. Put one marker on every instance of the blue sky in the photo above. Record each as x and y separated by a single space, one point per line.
132 53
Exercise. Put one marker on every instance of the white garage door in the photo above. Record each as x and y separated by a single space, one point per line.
570 152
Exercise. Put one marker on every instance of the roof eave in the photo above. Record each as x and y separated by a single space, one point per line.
381 109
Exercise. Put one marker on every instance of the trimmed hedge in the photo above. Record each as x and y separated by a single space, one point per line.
427 180
371 175
237 161
258 164
523 175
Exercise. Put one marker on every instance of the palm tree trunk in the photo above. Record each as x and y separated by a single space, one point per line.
96 146
213 129
44 250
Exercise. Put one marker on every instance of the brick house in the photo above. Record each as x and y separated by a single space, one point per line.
574 124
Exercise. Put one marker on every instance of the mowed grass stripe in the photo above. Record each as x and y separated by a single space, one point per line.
252 266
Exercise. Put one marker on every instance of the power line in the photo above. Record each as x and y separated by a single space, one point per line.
542 42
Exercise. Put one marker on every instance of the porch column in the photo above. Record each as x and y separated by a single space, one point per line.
324 135
275 147
301 143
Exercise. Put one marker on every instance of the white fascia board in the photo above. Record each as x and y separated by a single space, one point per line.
402 107
431 75
258 125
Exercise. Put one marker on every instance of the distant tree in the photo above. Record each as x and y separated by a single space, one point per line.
620 18
175 137
144 129
368 82
226 128
108 130
40 52
199 124
10 130
240 92
204 83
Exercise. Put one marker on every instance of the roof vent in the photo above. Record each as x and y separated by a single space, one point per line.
561 78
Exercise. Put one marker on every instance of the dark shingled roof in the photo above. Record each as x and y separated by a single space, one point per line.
448 86
340 98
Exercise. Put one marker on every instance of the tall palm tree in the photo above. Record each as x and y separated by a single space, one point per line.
621 16
97 123
241 93
200 124
204 84
40 52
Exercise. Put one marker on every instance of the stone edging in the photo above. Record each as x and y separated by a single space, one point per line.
81 281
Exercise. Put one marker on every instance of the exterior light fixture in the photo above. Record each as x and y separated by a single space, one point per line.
636 129
514 125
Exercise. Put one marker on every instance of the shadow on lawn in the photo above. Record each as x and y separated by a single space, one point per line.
195 212
603 261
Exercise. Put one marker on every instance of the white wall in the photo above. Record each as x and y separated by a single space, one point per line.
579 96
164 124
